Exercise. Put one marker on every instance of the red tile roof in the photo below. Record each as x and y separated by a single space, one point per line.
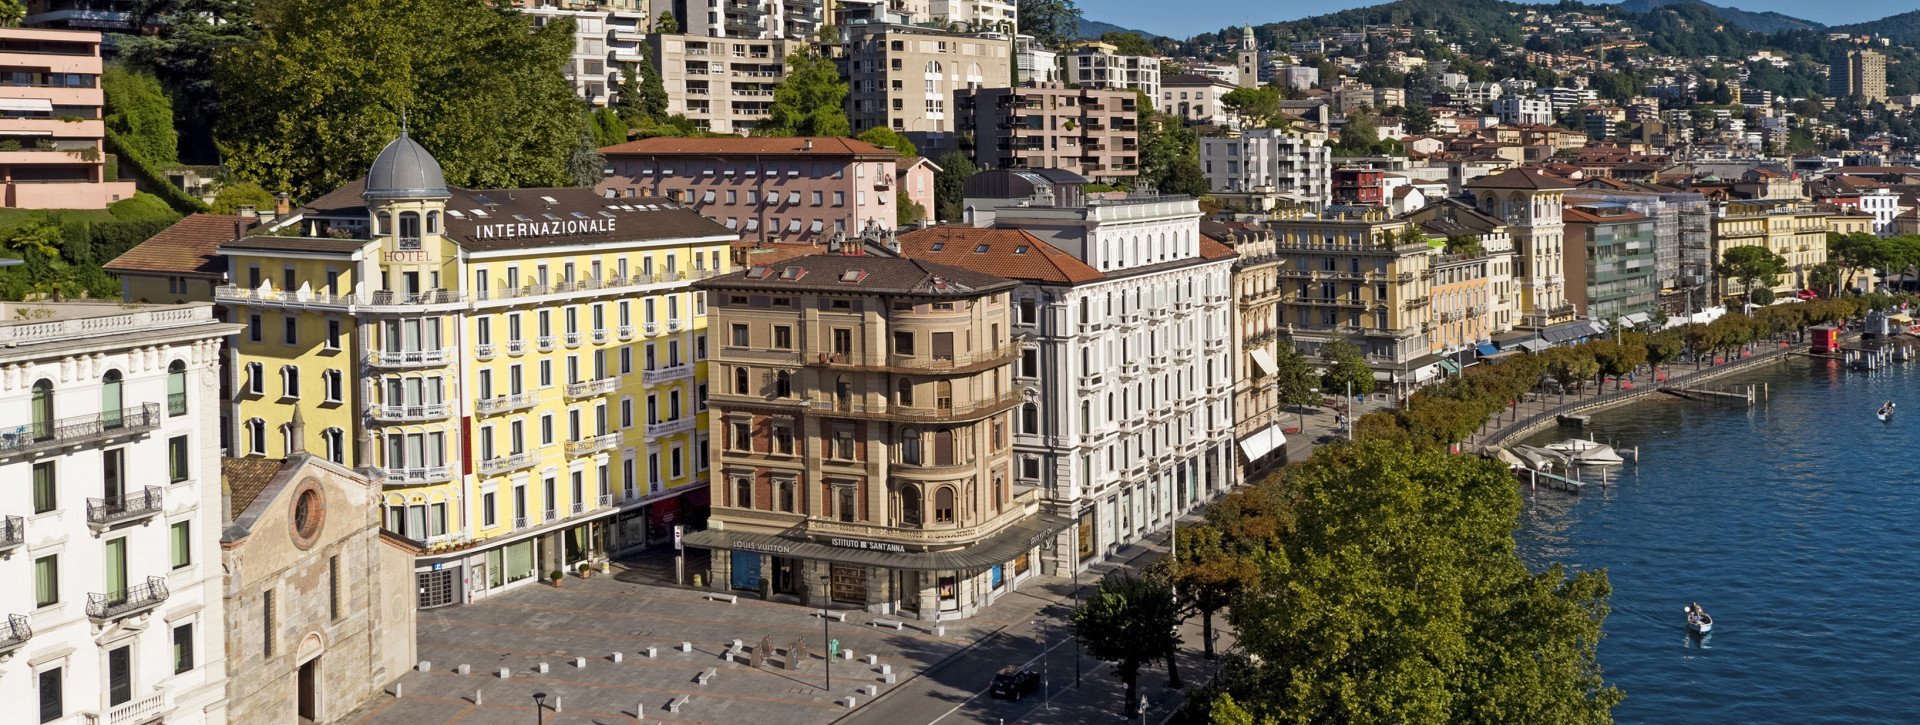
189 248
750 146
1210 249
1522 178
1575 216
1010 253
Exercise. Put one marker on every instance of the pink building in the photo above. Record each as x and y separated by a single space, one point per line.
51 133
768 189
916 179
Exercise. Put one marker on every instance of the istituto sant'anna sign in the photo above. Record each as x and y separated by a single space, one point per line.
869 545
564 227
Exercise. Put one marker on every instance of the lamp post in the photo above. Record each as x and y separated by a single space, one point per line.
826 580
539 704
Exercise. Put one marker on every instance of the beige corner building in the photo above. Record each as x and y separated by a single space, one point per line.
1353 276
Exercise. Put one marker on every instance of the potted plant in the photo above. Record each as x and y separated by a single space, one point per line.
555 578
583 570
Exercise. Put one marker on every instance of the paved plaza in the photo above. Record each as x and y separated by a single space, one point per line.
937 678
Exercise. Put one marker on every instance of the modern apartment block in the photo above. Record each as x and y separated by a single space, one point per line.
1126 310
1353 274
93 15
1034 62
52 136
1094 133
993 15
766 189
863 419
723 85
1610 262
518 369
1102 66
108 529
1261 168
1860 75
759 19
904 77
592 68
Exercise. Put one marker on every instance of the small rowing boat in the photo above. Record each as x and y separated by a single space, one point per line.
1698 621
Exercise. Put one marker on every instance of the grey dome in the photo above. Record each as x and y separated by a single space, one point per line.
404 170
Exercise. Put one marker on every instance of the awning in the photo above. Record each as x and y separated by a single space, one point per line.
1637 319
1534 345
1450 366
732 223
1901 319
1260 444
1488 350
793 197
29 105
793 225
664 512
999 548
1264 361
753 225
816 226
708 198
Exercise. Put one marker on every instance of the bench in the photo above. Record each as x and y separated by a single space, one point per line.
833 615
674 704
896 624
728 598
706 676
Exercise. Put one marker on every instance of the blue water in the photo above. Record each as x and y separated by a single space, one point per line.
1792 523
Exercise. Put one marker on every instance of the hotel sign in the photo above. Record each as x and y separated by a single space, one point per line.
869 545
564 227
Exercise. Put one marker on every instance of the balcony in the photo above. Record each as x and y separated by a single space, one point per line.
484 351
626 332
410 359
544 343
652 328
14 632
13 532
590 388
956 362
594 444
669 427
934 413
385 298
574 339
504 403
516 347
416 476
409 413
601 335
302 298
511 462
78 430
125 508
671 372
109 606
135 712
673 325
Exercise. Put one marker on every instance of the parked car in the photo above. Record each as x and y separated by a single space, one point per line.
1014 682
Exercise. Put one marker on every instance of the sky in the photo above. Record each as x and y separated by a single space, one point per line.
1211 15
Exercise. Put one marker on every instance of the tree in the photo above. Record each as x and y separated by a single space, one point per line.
1207 575
1443 420
1418 120
1255 106
1751 265
1129 43
811 101
1293 378
1396 596
586 166
140 116
12 13
887 138
653 91
1053 23
1345 366
1359 134
1129 621
241 193
907 211
311 102
187 37
950 185
607 127
667 24
641 97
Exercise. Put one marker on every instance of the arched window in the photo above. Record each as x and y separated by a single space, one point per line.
905 396
943 395
177 388
782 384
335 442
433 222
1030 418
943 505
409 230
256 437
910 446
42 409
910 505
740 381
110 398
381 223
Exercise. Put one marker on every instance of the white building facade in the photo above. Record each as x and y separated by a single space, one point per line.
110 532
1269 162
1099 65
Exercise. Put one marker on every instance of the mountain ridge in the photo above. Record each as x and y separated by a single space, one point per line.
1760 22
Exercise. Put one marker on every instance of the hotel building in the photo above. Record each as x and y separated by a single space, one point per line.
1354 274
108 525
518 369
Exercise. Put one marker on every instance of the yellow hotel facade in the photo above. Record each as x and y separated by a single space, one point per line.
521 370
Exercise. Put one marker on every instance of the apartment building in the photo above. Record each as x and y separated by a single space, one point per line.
759 19
516 368
904 77
588 68
1196 99
1475 301
765 189
1792 228
863 420
1261 168
113 613
1611 264
1102 66
1359 186
1860 75
52 136
723 85
1355 274
95 15
993 15
1034 62
1299 77
1258 418
1530 203
1094 133
1127 310
1523 110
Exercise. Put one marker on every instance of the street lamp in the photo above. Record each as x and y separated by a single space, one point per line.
826 580
539 704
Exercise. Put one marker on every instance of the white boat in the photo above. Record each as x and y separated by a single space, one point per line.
1698 621
1587 453
1884 415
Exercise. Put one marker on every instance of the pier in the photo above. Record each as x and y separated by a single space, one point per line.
1746 394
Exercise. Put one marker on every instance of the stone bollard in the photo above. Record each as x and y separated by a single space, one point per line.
686 646
476 696
869 690
940 631
398 691
556 703
640 711
846 654
540 668
464 669
580 663
505 673
886 669
848 701
887 678
873 659
653 652
616 657
425 666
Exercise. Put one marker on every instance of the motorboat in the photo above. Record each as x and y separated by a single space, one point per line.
1585 452
1575 420
1698 621
1539 459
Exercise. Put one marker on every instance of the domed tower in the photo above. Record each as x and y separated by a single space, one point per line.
406 204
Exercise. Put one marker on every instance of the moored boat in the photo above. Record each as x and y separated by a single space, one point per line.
1587 453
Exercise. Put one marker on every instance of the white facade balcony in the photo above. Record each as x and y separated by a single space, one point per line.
594 444
104 513
510 462
409 413
601 335
669 427
673 325
590 388
485 351
414 476
671 372
652 328
74 431
544 342
626 332
109 606
503 403
14 632
516 347
13 532
133 712
574 339
410 358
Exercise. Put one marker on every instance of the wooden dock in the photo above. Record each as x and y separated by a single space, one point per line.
1536 478
1743 393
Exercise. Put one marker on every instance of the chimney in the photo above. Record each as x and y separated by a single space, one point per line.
246 210
239 230
807 146
282 205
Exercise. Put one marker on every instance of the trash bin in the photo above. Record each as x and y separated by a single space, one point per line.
833 648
